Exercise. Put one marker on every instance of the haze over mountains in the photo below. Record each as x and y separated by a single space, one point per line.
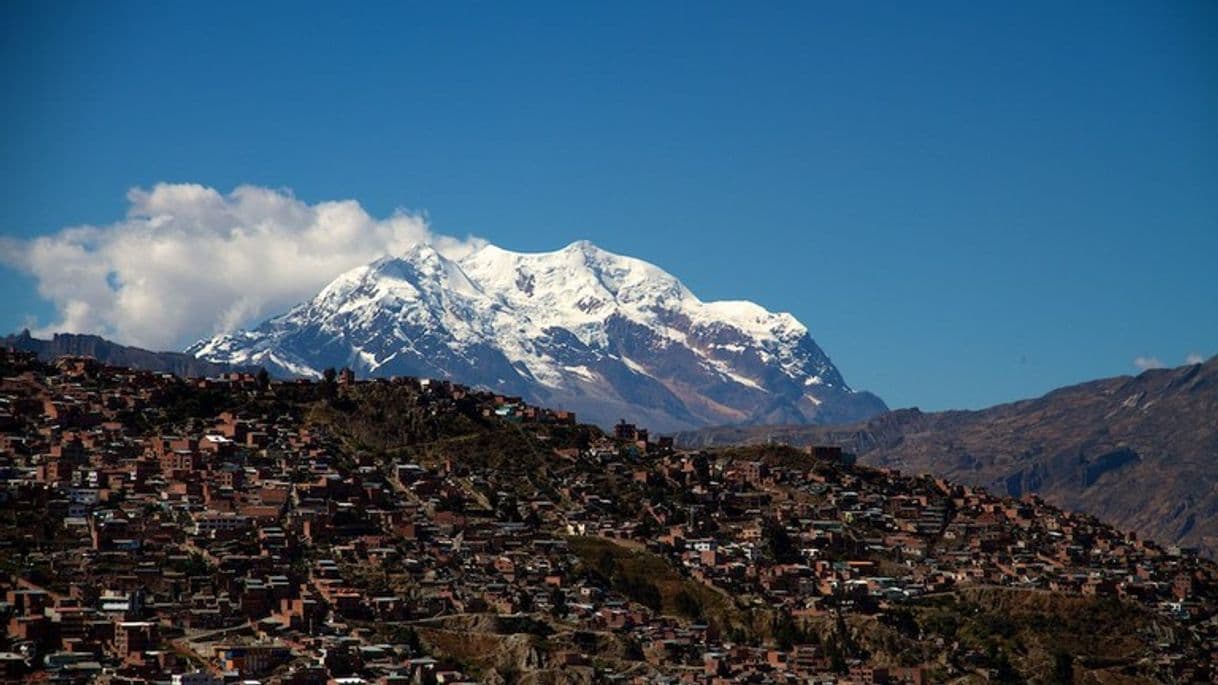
1139 452
580 328
108 352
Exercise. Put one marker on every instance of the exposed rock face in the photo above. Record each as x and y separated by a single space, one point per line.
1140 452
580 328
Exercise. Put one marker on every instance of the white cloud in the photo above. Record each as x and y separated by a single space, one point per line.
1145 363
1194 358
189 262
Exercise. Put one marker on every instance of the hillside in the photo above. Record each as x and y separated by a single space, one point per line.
421 531
1139 452
107 352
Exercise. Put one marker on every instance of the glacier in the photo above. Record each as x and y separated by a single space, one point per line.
605 335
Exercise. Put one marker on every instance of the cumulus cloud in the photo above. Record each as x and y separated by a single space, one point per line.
189 262
1145 363
1194 358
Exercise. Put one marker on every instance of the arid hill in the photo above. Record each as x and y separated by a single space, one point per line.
446 529
107 352
1139 452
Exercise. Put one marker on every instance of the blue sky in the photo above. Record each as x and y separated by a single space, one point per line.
966 203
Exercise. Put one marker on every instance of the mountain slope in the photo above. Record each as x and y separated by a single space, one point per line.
580 328
112 353
1140 452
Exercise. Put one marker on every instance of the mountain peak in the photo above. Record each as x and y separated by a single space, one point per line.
582 245
581 328
594 255
422 252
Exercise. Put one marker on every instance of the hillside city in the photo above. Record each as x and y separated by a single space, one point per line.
238 529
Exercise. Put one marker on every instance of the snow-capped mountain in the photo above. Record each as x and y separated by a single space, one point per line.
604 335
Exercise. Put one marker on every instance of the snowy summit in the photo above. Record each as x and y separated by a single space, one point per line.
580 328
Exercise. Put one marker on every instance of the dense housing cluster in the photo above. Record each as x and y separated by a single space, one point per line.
157 529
